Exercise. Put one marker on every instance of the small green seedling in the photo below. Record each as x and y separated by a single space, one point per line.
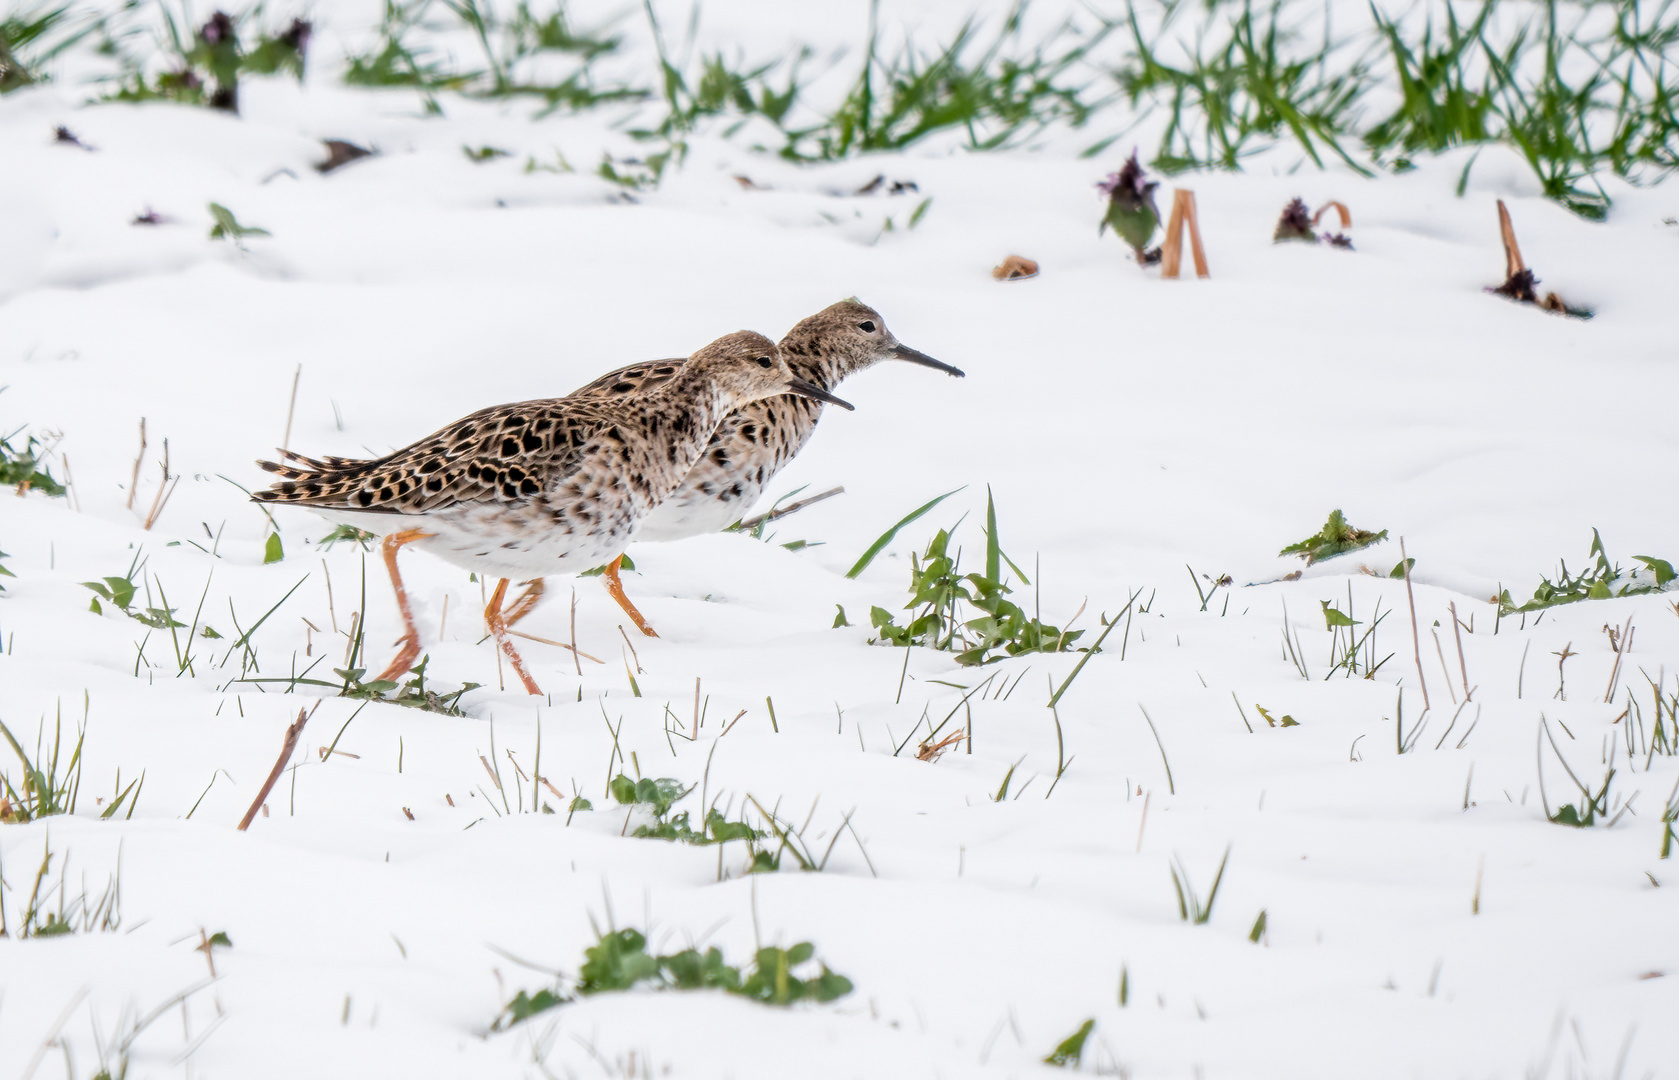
619 961
1270 721
227 227
413 694
658 796
360 537
1071 1049
119 592
22 466
1335 538
1190 908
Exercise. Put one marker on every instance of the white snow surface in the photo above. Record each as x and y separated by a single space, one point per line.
1127 427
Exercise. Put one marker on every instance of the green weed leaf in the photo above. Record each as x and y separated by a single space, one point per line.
1332 617
1071 1049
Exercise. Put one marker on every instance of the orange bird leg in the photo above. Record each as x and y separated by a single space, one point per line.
410 639
527 601
616 588
498 629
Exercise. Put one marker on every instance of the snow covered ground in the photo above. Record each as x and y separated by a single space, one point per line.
1422 917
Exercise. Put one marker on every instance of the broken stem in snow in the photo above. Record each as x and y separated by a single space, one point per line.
1416 640
293 733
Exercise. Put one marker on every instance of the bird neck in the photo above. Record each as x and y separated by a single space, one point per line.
824 367
697 392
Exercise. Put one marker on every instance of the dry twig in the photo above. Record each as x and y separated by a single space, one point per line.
293 733
1182 215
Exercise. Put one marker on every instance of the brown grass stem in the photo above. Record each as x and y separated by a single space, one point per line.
1615 672
1462 665
293 733
1416 641
165 489
791 508
134 481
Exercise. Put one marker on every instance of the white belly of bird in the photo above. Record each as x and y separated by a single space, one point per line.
691 512
495 543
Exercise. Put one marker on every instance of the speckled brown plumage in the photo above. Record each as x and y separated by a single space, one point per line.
539 487
546 486
755 442
506 453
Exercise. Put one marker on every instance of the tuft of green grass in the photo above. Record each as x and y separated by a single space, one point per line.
523 54
997 95
46 790
1250 87
31 37
1592 807
966 614
1597 582
393 62
1190 907
1353 652
78 915
1336 537
1569 93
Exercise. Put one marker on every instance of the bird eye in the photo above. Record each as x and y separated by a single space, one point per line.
764 362
866 326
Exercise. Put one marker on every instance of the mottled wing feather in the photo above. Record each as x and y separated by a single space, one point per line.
322 464
508 454
630 380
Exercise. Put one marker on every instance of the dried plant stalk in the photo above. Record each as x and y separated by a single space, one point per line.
1340 209
293 733
1513 264
134 482
1183 215
1171 252
164 490
790 508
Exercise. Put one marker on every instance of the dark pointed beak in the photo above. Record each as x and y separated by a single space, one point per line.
904 352
811 390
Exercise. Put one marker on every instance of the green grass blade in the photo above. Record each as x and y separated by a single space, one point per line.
887 536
